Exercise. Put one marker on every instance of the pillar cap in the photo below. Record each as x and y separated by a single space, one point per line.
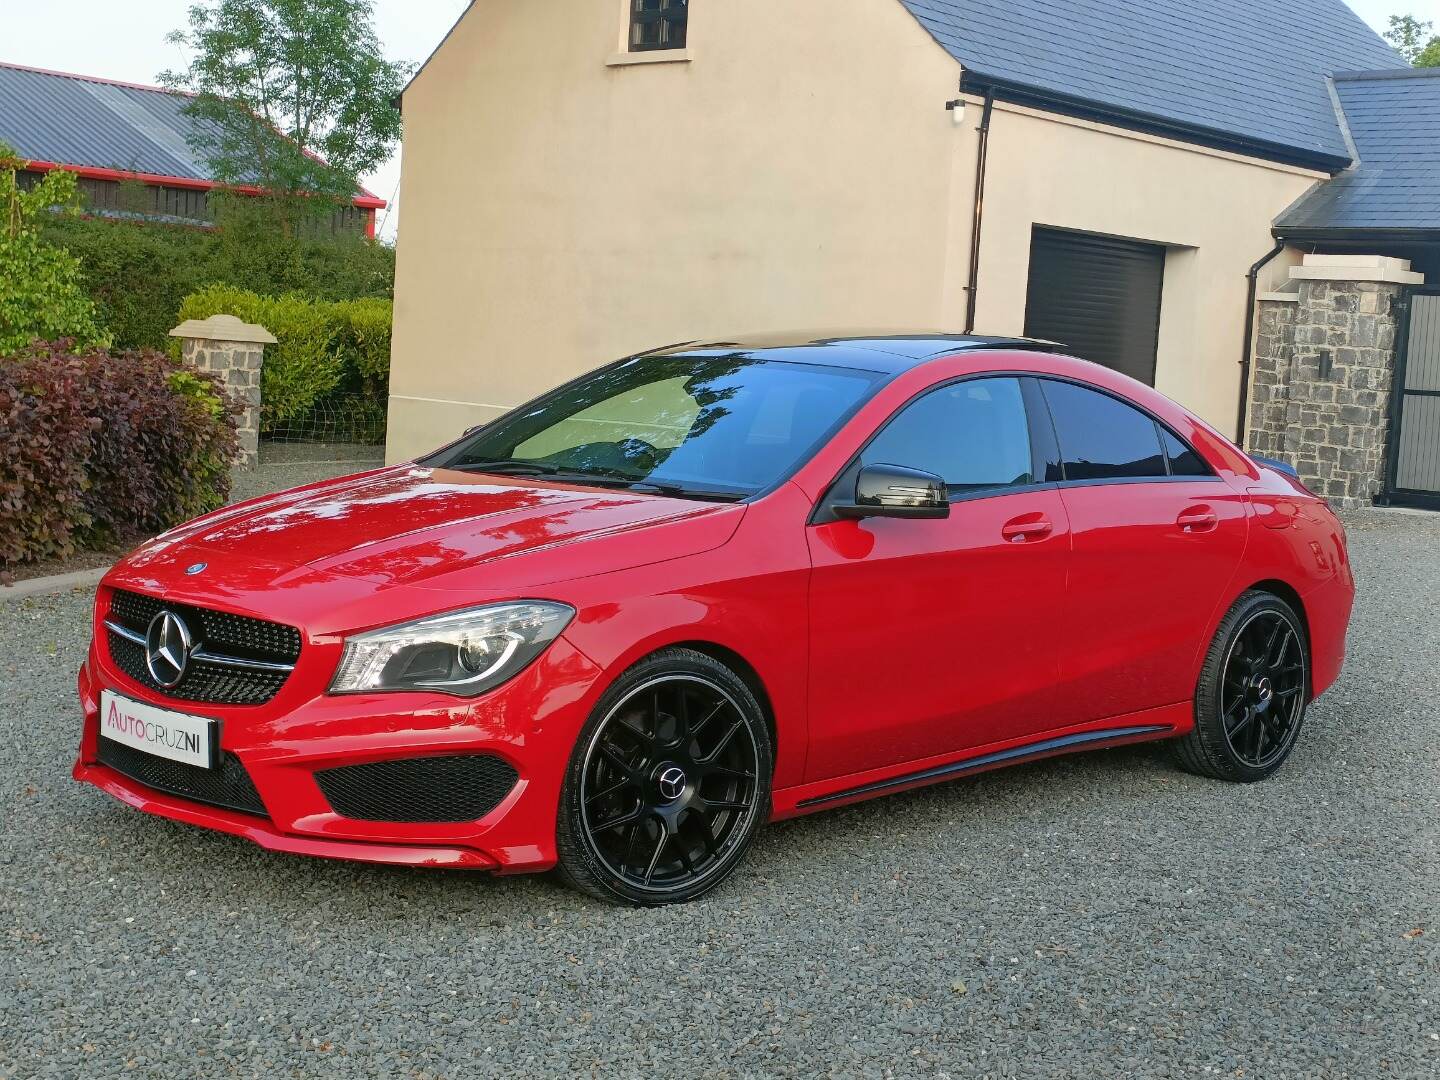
223 328
1379 268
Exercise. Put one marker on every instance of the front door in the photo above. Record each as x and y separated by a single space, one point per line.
929 637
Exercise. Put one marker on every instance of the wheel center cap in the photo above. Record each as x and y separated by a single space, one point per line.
1264 691
671 781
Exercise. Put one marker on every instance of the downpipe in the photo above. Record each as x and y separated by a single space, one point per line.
1248 353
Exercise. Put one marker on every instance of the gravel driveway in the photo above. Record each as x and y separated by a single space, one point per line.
1102 915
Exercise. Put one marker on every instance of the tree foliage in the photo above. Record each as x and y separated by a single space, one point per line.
1414 40
42 293
138 273
294 96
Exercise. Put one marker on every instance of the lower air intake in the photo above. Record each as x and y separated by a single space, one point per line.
229 786
433 789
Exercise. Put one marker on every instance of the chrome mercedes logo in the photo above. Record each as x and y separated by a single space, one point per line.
197 568
167 649
672 782
1264 691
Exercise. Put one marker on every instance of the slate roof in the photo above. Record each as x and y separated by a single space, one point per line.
1251 71
86 122
1394 119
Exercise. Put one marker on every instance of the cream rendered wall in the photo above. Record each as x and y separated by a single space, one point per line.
799 171
1214 210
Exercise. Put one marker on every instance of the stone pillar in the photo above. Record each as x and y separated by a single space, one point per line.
233 350
1274 353
1324 374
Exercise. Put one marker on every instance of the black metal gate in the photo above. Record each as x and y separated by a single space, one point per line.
1413 472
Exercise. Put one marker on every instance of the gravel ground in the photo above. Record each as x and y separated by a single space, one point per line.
1102 915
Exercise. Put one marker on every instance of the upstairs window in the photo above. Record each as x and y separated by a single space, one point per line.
658 24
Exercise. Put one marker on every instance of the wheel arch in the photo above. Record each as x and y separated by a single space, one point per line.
747 674
1287 592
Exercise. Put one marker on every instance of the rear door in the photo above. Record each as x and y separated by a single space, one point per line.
1156 539
929 637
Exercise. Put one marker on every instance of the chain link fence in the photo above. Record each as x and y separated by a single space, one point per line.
343 428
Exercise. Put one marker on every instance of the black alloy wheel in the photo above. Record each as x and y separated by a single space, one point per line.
1253 692
668 784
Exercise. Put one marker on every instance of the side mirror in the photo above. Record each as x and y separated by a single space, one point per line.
896 492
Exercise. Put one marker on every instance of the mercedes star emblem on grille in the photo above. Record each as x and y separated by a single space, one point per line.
167 649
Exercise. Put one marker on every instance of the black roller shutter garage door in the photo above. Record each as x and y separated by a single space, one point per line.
1097 296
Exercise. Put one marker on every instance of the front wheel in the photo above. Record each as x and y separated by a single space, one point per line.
668 783
1252 695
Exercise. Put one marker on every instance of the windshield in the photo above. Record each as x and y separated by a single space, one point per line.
717 426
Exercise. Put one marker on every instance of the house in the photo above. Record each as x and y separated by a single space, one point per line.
109 132
1109 174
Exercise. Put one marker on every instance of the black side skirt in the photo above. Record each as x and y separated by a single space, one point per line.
1011 756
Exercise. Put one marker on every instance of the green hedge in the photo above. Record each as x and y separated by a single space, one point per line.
139 273
97 446
325 349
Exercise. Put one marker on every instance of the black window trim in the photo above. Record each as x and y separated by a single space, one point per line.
824 511
1160 428
666 18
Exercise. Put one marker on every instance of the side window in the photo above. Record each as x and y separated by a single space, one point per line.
973 433
1183 460
1102 438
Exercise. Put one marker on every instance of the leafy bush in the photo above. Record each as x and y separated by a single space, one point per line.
139 273
41 292
97 446
324 348
135 273
364 328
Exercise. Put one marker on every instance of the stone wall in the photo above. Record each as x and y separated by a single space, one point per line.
1323 370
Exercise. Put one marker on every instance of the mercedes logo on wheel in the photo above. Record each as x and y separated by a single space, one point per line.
672 782
167 649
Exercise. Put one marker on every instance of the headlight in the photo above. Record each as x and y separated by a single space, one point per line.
464 652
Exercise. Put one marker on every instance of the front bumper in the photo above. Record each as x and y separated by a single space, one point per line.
531 722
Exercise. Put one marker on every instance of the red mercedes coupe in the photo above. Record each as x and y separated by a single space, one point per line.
619 628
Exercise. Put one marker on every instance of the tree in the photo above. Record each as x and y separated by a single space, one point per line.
42 294
293 97
1414 41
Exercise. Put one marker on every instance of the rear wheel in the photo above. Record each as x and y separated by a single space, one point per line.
1252 695
668 783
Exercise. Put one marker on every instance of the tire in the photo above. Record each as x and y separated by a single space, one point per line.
667 785
1252 695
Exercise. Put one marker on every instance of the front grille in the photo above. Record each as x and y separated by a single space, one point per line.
236 638
434 789
229 786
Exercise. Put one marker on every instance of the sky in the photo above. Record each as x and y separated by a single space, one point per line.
126 40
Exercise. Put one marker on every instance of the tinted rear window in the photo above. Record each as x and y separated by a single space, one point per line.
1102 438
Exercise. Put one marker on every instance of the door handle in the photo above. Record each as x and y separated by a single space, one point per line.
1198 519
1024 530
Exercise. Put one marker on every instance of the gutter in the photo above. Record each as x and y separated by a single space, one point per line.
974 82
91 172
981 160
1248 354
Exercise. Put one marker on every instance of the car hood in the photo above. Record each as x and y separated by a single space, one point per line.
429 528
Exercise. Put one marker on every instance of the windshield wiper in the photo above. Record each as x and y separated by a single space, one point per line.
679 491
513 467
509 466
